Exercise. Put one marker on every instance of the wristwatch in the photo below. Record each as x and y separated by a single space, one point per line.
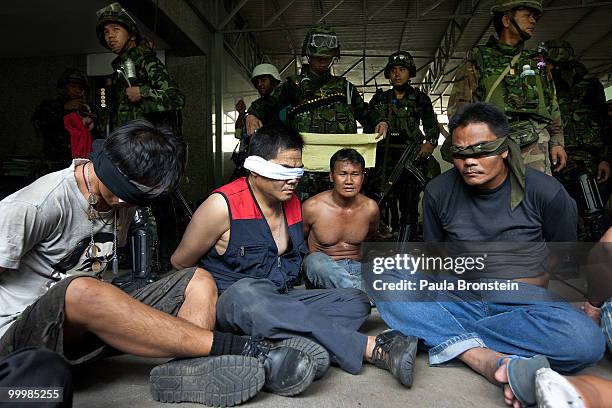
434 142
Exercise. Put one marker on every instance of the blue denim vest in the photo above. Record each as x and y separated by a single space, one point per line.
251 251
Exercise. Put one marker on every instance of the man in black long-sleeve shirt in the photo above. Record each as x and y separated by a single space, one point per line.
491 199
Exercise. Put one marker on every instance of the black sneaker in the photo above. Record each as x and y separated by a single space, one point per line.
318 353
288 371
396 353
221 381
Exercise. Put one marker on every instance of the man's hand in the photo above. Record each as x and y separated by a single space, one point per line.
252 124
558 157
591 311
426 151
88 122
240 106
133 94
603 172
381 129
73 104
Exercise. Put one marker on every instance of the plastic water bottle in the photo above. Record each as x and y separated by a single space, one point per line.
529 86
527 71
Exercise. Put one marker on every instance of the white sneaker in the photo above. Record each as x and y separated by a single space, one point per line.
554 391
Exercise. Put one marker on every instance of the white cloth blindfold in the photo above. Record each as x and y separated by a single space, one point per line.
271 170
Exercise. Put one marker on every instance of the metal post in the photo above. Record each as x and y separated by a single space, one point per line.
218 83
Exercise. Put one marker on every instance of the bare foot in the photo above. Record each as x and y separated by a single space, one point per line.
501 376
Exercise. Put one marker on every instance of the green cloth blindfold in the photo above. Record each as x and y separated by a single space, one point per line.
492 148
516 166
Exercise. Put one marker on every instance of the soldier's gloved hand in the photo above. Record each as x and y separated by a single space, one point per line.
252 124
603 172
558 157
133 94
381 128
425 151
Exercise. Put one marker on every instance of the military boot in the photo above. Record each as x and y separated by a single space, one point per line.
289 371
396 353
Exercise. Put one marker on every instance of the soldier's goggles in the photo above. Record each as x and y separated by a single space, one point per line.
491 148
324 40
400 57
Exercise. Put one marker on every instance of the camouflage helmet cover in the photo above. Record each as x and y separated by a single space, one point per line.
72 76
402 59
321 42
115 13
265 69
502 6
559 51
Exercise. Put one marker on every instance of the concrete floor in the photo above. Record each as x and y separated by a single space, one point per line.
123 382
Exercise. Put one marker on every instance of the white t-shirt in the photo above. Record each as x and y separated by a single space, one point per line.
45 231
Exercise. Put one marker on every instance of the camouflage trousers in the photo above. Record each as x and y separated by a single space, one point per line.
311 184
537 154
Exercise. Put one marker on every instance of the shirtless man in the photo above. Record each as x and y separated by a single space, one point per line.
336 222
249 235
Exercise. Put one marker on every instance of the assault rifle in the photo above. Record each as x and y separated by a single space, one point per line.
596 221
405 163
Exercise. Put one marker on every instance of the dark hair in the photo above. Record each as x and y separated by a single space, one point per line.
480 112
147 154
349 155
268 141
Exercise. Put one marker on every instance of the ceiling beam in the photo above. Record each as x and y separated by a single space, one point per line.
380 9
278 13
349 69
231 15
338 4
576 24
352 24
448 42
579 6
434 6
595 43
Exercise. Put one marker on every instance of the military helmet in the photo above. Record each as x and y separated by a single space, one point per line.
114 13
402 59
502 6
321 42
265 69
559 51
72 76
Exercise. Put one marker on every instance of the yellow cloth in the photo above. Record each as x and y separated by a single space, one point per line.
320 147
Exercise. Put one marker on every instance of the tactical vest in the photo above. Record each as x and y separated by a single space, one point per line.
403 117
322 109
251 251
582 127
521 98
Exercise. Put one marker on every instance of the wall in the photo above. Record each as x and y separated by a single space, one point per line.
24 82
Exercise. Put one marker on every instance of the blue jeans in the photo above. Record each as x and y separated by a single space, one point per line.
526 323
322 272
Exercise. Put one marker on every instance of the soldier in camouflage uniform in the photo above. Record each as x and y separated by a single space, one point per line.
152 95
404 108
318 101
583 112
515 79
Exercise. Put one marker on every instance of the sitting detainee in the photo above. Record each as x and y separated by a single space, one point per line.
248 234
336 222
56 237
490 197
